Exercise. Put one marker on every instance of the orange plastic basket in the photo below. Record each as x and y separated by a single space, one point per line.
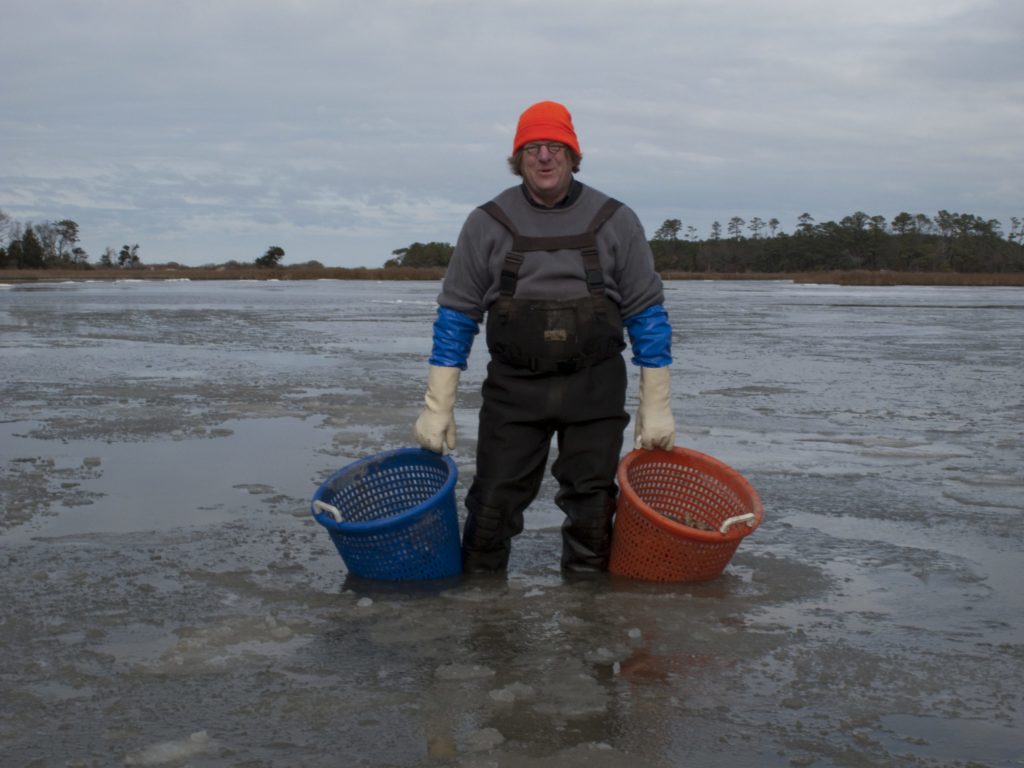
681 515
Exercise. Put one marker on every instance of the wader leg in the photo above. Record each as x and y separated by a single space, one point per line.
512 452
589 444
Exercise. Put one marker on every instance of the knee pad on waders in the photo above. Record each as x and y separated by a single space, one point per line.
486 541
587 537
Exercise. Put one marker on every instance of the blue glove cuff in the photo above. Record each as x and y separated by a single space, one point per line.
453 338
650 336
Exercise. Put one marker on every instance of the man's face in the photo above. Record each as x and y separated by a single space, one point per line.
546 173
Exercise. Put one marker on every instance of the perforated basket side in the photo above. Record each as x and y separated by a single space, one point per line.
385 491
427 547
672 505
686 495
399 520
672 486
646 551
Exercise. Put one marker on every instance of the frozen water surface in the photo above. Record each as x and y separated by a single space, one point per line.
168 600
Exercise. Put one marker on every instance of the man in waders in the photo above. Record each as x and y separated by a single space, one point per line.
558 269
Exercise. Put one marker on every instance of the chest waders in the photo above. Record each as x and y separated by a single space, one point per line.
556 369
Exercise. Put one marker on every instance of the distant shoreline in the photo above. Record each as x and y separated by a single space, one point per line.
848 277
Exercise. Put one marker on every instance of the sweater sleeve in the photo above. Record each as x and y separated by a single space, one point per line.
638 282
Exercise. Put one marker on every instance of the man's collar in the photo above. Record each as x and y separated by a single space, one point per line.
575 189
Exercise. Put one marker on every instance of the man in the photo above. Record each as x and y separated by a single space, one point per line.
558 269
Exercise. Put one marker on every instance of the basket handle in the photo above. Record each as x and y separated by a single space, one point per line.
730 522
323 506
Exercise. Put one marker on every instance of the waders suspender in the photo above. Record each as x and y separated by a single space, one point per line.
585 243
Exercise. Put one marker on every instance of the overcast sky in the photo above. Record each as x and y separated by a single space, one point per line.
207 130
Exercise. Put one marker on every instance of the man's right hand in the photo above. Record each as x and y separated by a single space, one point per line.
435 427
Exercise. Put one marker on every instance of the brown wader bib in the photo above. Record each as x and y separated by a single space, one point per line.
556 369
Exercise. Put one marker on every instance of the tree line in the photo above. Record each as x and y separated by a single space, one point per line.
55 245
947 242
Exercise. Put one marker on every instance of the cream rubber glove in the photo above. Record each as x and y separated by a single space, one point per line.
655 426
435 426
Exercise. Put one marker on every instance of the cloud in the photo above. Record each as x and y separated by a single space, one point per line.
344 130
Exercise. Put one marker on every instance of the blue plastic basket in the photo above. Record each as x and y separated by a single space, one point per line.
392 516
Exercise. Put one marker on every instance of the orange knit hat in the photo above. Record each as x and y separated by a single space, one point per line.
546 121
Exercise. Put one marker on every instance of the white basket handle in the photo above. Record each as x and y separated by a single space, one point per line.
323 506
730 522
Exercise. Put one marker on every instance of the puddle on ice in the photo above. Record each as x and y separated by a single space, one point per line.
935 738
160 484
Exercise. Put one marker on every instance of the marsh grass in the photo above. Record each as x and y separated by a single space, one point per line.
222 273
864 277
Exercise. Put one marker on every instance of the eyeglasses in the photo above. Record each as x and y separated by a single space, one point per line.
553 147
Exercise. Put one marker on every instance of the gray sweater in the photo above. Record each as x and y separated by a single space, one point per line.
471 283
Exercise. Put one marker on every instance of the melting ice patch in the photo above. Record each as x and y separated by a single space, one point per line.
171 751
